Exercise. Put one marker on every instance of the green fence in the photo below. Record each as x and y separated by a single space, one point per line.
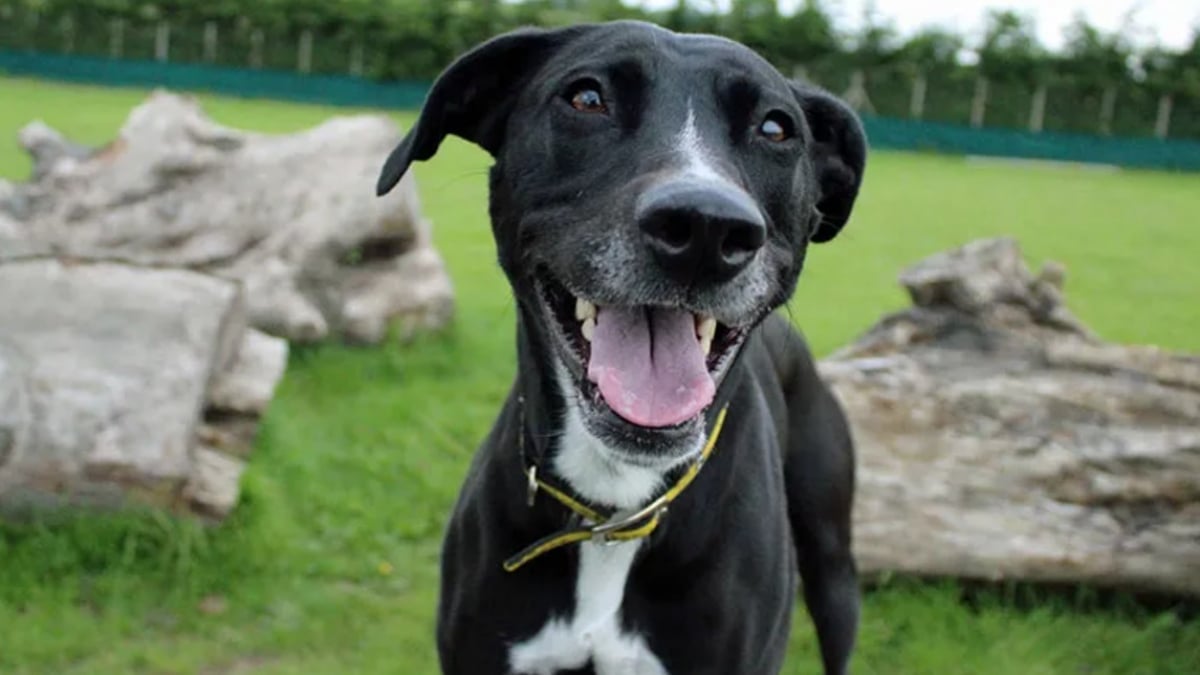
1146 153
271 84
885 132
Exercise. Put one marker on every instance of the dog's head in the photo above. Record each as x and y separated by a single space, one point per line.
652 199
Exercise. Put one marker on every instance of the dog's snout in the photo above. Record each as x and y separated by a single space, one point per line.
700 230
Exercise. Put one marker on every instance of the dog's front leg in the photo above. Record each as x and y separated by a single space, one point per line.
819 480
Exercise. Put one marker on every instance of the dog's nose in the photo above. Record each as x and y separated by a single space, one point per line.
700 231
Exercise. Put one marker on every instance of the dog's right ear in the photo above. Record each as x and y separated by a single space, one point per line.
473 97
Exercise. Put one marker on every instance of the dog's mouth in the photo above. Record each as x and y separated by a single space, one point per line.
655 367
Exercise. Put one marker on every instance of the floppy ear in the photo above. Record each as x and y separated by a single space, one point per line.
473 97
839 155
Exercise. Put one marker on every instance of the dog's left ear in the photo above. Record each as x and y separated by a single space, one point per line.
473 97
839 155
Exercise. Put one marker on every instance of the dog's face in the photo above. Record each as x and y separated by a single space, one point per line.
652 199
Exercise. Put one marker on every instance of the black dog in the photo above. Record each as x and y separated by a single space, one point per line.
652 199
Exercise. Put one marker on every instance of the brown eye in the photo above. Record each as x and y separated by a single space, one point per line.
777 127
585 97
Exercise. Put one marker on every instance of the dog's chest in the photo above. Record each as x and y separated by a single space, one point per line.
592 634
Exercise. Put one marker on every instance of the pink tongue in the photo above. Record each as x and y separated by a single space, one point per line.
648 365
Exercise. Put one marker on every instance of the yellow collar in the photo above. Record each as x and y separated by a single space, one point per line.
605 528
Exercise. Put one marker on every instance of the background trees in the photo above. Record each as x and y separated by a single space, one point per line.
1099 82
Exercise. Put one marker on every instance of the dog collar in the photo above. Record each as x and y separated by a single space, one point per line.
600 525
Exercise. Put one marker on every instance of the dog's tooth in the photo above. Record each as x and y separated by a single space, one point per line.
588 328
584 310
706 344
706 329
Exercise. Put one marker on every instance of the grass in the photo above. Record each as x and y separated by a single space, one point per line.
329 563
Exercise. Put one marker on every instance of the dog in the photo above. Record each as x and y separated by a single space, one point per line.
668 459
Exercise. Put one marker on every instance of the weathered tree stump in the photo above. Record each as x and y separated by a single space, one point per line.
292 217
125 386
998 438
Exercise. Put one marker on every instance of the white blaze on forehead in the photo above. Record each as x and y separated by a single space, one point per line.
697 160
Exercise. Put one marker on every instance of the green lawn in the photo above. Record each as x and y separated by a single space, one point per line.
329 564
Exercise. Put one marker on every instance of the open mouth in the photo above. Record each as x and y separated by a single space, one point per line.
654 367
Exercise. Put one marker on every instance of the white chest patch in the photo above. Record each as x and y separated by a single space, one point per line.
594 632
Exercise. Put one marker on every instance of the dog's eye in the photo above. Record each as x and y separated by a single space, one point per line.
584 96
777 127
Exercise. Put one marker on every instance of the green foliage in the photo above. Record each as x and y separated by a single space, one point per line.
933 51
1010 50
877 43
1095 58
415 39
329 564
808 36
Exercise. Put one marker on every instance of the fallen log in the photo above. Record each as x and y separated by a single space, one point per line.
123 386
293 217
998 438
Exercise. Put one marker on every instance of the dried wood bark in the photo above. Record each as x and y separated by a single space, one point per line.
998 438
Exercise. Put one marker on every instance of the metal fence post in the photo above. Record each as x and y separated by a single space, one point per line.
210 41
116 38
1108 106
304 55
916 104
857 96
256 48
979 102
162 42
68 34
1037 109
356 59
1162 122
